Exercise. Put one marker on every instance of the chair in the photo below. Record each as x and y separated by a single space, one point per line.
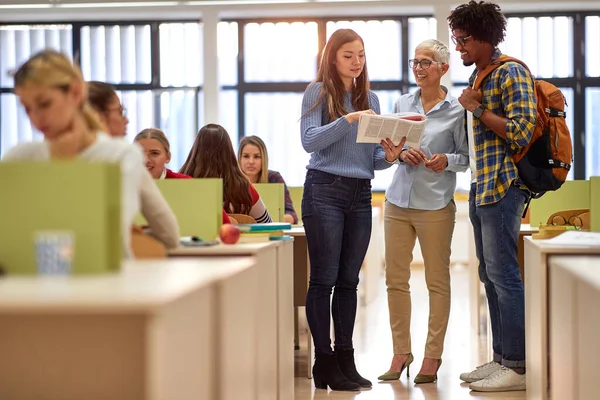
241 219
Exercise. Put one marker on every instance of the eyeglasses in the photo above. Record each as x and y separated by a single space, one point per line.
423 63
461 40
122 110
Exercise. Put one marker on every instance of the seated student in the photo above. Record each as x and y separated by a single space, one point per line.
254 161
158 153
54 95
161 220
212 156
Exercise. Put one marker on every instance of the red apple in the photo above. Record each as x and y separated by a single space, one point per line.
229 234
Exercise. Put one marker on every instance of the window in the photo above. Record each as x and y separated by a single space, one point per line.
17 44
592 139
116 54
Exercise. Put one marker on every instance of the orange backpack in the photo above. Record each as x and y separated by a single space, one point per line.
545 162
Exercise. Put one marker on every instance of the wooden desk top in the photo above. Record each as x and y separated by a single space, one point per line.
527 229
297 230
140 286
585 268
546 246
240 249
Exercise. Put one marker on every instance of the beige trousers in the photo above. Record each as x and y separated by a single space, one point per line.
434 230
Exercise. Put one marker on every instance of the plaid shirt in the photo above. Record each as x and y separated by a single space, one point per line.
509 92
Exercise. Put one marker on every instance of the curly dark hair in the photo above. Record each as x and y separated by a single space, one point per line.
482 20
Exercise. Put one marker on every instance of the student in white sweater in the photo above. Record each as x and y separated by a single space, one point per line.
54 96
161 219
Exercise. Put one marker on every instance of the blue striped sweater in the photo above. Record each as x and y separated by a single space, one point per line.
333 144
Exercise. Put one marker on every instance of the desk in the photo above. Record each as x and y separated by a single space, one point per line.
537 311
574 298
274 322
301 279
148 332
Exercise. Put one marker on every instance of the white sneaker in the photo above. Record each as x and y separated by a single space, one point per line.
481 372
503 380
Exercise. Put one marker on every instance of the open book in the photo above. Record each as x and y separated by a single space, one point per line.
375 128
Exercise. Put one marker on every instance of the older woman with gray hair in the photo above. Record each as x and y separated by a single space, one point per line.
420 204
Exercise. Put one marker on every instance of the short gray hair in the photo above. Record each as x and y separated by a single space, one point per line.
440 51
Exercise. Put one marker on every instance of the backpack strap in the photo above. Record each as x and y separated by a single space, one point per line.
495 64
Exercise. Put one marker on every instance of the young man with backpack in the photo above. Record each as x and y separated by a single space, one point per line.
501 118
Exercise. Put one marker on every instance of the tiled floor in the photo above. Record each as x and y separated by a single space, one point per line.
373 348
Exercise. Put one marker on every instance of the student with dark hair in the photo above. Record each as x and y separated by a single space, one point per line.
336 204
107 104
500 121
212 156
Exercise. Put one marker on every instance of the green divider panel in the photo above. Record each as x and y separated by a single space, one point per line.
296 195
595 203
197 204
81 198
571 195
273 196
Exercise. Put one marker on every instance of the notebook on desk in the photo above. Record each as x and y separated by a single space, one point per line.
80 198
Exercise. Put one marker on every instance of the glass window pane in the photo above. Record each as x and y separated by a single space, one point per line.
181 50
592 138
592 46
140 111
275 117
280 52
116 54
178 121
19 42
227 37
387 98
14 124
228 112
382 46
419 29
536 40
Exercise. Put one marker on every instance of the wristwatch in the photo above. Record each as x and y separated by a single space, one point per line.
478 112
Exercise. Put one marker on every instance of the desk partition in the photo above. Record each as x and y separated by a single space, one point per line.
572 195
69 196
595 203
273 196
197 204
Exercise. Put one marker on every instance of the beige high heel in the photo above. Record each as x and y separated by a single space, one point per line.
422 378
393 375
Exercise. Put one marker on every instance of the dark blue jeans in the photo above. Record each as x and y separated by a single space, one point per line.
496 228
336 212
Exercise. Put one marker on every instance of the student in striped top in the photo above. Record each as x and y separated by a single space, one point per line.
336 205
212 156
254 161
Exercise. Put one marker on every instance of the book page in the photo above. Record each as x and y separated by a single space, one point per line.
375 128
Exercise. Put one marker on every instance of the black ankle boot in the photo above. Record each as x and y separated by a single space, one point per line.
326 372
345 360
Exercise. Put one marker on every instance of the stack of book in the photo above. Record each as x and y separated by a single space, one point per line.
250 233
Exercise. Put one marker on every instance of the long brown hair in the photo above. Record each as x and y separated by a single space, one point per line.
53 69
253 140
333 88
212 156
